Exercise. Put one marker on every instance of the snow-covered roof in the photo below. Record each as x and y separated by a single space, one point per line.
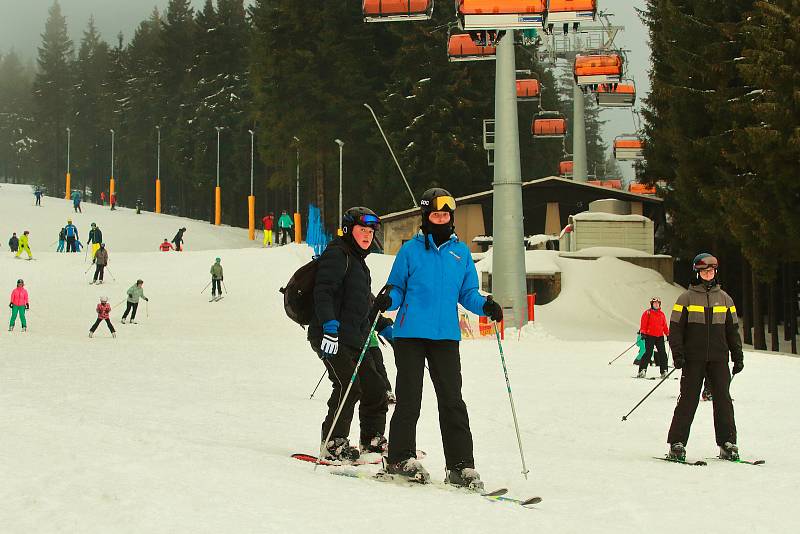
599 216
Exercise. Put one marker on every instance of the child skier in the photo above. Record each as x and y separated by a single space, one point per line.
103 313
24 245
135 292
653 327
178 239
13 243
166 246
19 303
268 221
216 280
100 260
62 239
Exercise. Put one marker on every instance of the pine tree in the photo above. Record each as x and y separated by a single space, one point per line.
15 119
52 93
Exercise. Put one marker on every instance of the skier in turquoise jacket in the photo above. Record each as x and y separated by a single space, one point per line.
432 274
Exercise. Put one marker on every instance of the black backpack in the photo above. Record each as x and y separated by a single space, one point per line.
298 295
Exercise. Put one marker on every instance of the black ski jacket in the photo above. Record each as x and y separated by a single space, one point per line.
704 326
342 293
95 236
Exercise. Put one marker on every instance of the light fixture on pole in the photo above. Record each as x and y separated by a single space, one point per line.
111 183
297 228
341 148
158 170
251 200
217 190
69 176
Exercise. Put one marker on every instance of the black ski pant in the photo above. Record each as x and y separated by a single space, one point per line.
375 354
718 376
131 307
284 236
444 363
368 388
216 287
71 244
98 272
651 342
97 323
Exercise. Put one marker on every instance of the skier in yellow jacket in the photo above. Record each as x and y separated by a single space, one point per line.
24 244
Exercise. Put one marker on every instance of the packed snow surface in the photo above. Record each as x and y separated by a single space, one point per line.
185 422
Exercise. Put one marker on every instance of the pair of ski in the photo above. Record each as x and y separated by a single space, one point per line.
347 470
704 462
216 299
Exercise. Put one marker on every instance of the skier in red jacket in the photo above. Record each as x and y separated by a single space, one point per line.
103 313
653 327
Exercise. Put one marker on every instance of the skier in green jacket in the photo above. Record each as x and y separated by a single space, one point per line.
284 225
135 292
216 280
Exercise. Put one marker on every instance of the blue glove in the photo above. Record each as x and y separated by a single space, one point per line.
387 333
330 339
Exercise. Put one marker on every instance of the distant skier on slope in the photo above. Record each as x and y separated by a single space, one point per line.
13 243
100 260
178 239
76 202
431 275
166 246
95 238
135 292
653 327
38 194
268 221
25 245
337 332
19 303
216 280
284 225
103 314
71 231
704 331
62 239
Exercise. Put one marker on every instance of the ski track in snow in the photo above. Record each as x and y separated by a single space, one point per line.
186 421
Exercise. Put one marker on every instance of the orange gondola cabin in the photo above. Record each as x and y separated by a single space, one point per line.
598 69
621 95
628 148
565 168
500 14
528 90
549 125
642 189
396 10
570 12
461 47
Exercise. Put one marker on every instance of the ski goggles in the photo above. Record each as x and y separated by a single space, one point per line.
709 262
443 203
655 299
371 221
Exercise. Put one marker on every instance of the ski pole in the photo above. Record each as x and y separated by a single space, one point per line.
623 352
85 253
625 417
112 274
87 270
208 284
511 400
120 302
347 392
318 383
223 286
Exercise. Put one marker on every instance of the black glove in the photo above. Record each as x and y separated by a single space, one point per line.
383 300
28 307
10 305
147 299
738 365
678 360
493 310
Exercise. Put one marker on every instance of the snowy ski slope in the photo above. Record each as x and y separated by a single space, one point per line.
185 422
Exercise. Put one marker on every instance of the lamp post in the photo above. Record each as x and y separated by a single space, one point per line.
297 228
111 184
341 148
69 176
251 200
217 191
158 170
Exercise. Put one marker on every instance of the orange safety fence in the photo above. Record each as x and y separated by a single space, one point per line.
501 7
395 7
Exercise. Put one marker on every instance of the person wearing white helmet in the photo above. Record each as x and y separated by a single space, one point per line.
103 314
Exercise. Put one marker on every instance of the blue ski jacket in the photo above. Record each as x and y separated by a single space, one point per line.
427 286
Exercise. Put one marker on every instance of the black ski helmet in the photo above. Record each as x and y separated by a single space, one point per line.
436 199
359 215
702 262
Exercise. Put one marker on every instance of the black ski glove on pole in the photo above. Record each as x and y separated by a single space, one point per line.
493 310
382 301
738 366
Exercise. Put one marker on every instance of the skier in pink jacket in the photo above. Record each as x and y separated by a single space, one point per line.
19 303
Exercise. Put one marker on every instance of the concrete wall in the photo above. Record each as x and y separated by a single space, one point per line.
633 234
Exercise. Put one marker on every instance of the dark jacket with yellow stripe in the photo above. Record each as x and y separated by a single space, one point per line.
704 326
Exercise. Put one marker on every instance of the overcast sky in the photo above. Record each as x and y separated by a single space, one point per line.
22 22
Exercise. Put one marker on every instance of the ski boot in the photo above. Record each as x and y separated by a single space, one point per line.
729 451
91 334
411 469
664 375
390 398
24 328
114 335
707 395
642 373
677 451
11 328
339 450
464 477
378 444
133 322
123 320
